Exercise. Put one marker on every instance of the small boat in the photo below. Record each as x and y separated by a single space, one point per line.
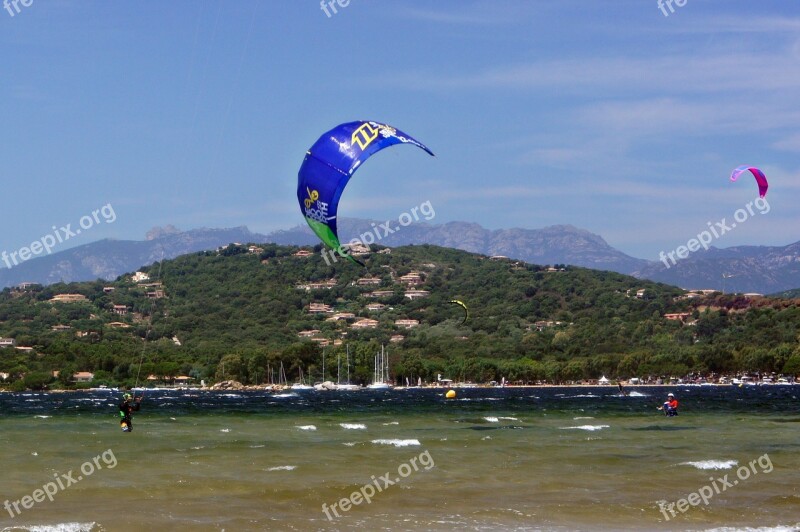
301 384
381 373
345 387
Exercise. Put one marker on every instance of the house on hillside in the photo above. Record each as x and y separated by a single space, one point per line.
319 308
380 293
366 323
83 376
415 294
342 316
356 249
7 342
412 278
406 323
138 277
324 285
678 316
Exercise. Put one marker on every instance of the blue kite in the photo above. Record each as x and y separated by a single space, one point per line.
330 163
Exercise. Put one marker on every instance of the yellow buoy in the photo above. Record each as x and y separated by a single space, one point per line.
450 394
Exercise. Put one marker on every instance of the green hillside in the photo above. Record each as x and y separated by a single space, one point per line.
237 314
789 294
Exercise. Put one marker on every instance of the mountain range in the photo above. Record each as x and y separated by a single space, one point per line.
761 269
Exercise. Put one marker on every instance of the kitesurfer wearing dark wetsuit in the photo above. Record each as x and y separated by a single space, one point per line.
125 409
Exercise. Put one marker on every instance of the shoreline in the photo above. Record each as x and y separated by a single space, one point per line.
269 388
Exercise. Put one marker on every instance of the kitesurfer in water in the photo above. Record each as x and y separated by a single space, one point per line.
128 405
670 407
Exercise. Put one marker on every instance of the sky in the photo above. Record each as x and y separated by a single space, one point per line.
620 117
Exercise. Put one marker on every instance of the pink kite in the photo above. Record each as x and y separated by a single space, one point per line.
761 179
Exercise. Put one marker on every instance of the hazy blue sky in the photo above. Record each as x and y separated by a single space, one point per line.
606 115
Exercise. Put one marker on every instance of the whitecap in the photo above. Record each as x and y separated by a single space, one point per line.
392 423
583 417
712 464
491 419
510 418
63 527
588 427
353 426
43 417
282 468
397 443
282 395
60 527
257 446
350 444
306 427
224 430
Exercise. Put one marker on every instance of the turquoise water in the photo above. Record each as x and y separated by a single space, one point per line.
492 459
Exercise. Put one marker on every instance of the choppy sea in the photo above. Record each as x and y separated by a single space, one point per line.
547 458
